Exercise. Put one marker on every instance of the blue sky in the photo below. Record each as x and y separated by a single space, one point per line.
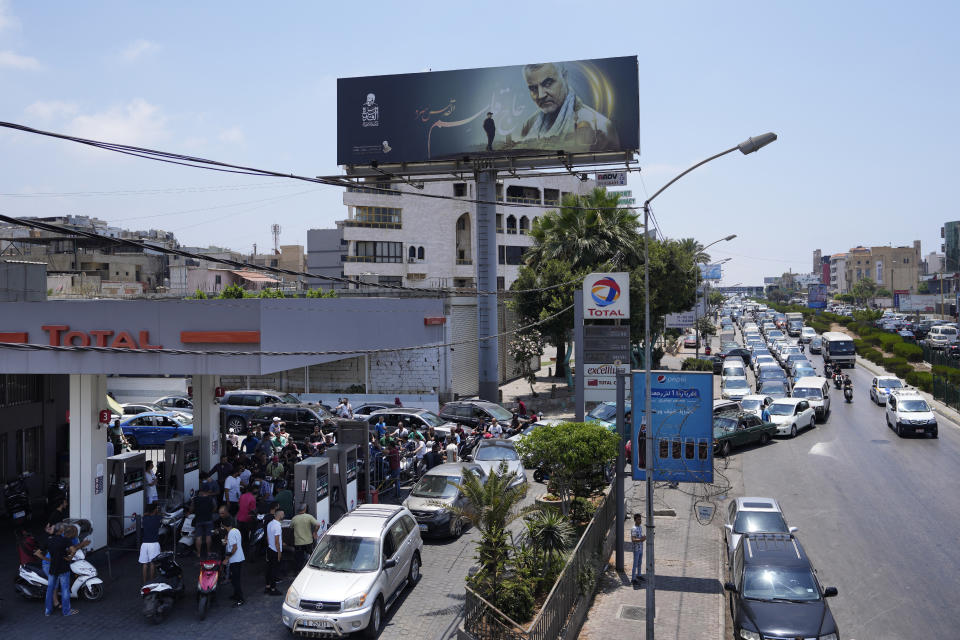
862 94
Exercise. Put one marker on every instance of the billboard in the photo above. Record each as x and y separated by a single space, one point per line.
711 271
600 382
582 106
682 406
817 295
606 295
611 178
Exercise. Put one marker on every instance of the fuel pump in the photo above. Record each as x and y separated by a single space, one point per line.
343 479
125 492
312 487
182 465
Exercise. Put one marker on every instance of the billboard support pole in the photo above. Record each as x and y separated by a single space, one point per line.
578 356
489 378
621 462
648 420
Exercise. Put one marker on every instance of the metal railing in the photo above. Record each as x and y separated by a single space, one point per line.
520 200
947 393
383 191
372 224
938 357
464 261
566 606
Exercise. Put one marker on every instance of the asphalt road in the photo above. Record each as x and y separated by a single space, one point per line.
878 515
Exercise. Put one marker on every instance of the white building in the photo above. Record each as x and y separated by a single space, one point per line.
401 238
838 269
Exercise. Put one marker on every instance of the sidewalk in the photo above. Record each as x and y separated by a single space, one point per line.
689 584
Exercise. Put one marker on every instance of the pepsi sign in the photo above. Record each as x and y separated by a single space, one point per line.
606 295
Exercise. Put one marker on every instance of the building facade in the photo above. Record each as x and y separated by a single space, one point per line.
838 273
950 232
393 236
893 268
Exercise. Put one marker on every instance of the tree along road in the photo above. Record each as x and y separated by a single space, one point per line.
878 514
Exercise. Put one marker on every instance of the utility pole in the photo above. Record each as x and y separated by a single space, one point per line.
488 360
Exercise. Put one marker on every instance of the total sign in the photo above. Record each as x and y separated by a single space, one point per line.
606 295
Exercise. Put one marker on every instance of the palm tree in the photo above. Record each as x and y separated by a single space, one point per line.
694 248
588 232
551 534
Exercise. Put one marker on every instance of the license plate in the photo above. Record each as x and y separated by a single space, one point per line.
919 429
19 514
423 527
316 624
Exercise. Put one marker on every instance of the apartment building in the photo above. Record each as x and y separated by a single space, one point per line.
893 268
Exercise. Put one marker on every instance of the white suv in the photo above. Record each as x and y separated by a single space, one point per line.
909 414
356 571
941 336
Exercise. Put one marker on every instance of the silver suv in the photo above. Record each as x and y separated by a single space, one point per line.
355 573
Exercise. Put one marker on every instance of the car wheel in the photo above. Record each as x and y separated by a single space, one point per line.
899 430
376 620
236 423
935 435
793 431
764 438
456 527
132 441
414 576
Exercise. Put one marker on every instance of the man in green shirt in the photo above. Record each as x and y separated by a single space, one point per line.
305 528
284 500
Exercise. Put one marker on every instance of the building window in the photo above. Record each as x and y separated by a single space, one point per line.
20 389
416 277
217 279
420 253
524 225
459 189
368 251
906 261
273 263
379 217
499 192
28 450
412 253
501 283
499 223
390 280
523 195
511 224
501 254
551 197
377 188
514 255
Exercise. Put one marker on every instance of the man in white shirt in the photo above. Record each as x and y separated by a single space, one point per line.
274 553
233 558
150 483
495 429
420 450
451 450
231 490
345 409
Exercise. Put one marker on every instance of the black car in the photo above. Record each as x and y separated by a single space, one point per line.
299 419
474 413
775 592
742 352
236 407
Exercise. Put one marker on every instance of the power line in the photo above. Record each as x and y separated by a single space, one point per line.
136 192
236 264
340 352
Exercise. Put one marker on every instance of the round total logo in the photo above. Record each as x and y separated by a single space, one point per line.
605 292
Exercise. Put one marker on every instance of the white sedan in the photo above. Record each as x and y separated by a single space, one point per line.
734 388
807 334
790 415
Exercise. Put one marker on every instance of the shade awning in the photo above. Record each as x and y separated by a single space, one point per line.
252 276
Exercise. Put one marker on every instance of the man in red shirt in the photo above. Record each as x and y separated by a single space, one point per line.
246 508
393 457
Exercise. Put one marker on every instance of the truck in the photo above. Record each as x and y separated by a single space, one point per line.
794 315
838 348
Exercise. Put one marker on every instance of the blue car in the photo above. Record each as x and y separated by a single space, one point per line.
153 428
605 413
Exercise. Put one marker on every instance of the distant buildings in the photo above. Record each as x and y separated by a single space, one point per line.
892 268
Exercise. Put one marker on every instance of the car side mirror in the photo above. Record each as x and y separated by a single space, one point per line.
729 586
728 527
829 592
391 563
793 529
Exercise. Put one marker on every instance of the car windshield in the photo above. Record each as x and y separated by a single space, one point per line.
724 425
432 419
499 412
759 522
816 394
605 412
736 383
734 372
496 452
773 386
840 347
891 383
914 406
777 409
816 342
779 583
750 405
346 553
436 486
289 399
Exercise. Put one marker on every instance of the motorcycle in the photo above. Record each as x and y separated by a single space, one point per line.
17 498
837 380
158 597
848 393
185 543
171 518
207 583
258 537
31 580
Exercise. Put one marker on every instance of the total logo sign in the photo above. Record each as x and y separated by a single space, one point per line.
606 295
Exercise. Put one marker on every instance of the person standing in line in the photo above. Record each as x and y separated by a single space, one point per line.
150 483
393 458
233 558
247 506
204 505
495 429
490 128
274 553
451 449
765 412
305 528
231 490
60 555
637 538
150 541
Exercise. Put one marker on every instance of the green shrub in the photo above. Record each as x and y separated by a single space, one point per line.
923 380
515 598
873 355
889 340
693 364
859 345
581 509
951 374
872 339
911 352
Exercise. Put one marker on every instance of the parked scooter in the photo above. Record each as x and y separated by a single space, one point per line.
171 518
31 580
207 583
158 597
185 543
17 499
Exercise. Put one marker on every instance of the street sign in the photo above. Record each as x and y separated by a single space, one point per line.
682 320
600 381
611 178
606 295
682 417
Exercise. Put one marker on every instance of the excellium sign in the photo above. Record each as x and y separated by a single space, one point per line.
606 295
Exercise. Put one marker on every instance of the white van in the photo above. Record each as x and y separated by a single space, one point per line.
941 336
817 391
838 348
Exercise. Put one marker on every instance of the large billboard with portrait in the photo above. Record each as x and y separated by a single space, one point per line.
578 107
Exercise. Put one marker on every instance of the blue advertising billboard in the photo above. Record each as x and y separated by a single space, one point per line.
682 406
817 296
711 271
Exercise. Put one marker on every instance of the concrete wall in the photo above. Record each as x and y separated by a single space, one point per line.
49 413
23 281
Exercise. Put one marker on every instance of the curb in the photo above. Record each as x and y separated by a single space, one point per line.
722 622
942 409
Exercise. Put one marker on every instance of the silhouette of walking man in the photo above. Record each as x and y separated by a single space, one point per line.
491 128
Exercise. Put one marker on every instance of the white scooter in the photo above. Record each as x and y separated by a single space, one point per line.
185 543
31 581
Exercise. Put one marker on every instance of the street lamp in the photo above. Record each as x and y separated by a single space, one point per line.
748 146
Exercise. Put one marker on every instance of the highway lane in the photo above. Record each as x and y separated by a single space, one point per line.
878 515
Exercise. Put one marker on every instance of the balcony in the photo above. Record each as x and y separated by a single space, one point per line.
551 203
382 191
373 225
381 259
466 261
520 200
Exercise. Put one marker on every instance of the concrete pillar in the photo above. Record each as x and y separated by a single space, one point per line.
88 454
206 419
